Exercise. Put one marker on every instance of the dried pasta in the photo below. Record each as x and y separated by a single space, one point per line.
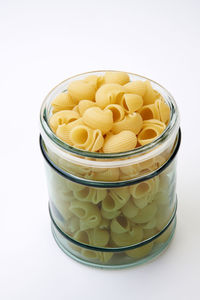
84 105
137 87
131 102
80 90
124 141
116 77
62 117
63 102
131 122
117 112
120 225
109 93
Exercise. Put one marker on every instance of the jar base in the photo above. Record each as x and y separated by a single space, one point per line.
117 260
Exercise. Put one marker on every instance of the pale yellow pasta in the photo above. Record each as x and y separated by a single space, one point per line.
98 237
120 196
62 102
63 208
75 108
139 190
128 238
137 87
150 95
149 233
164 182
141 251
131 102
98 141
105 256
156 122
90 254
143 201
151 224
85 210
146 214
164 110
91 195
129 210
116 77
73 225
120 224
148 134
109 214
73 186
62 117
84 105
82 237
104 224
129 172
63 131
96 118
117 112
96 80
109 94
111 174
82 195
150 111
131 122
124 141
81 136
80 90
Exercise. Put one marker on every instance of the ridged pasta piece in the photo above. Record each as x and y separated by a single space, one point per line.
149 233
98 237
62 117
73 186
117 112
141 189
129 210
94 196
146 214
90 254
137 87
151 224
156 122
80 90
149 133
143 201
131 122
82 195
73 225
141 251
128 238
84 105
96 80
81 135
129 172
75 108
120 196
164 110
124 141
120 224
63 102
111 174
85 211
82 237
105 224
131 102
63 131
104 257
96 118
150 111
109 215
116 77
109 93
150 95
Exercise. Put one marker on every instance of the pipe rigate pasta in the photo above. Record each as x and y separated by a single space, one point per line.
84 105
150 95
109 93
164 110
116 77
148 134
63 131
131 122
123 141
96 118
120 224
111 174
63 102
139 190
131 102
135 235
109 214
140 251
62 117
146 214
129 210
91 221
81 136
80 90
117 111
143 201
151 224
98 237
91 195
104 224
149 112
120 196
95 80
137 87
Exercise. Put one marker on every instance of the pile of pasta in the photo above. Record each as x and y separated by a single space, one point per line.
109 113
115 217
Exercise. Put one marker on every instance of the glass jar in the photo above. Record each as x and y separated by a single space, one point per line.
112 210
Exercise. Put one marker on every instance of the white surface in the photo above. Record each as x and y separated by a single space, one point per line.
44 42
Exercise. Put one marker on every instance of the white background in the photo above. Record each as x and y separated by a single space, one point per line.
45 42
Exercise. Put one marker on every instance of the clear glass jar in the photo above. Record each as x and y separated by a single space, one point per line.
112 210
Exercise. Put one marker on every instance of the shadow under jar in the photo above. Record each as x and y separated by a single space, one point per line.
112 210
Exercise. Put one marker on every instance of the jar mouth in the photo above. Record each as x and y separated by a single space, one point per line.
46 131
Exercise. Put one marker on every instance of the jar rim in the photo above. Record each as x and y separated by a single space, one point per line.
80 155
